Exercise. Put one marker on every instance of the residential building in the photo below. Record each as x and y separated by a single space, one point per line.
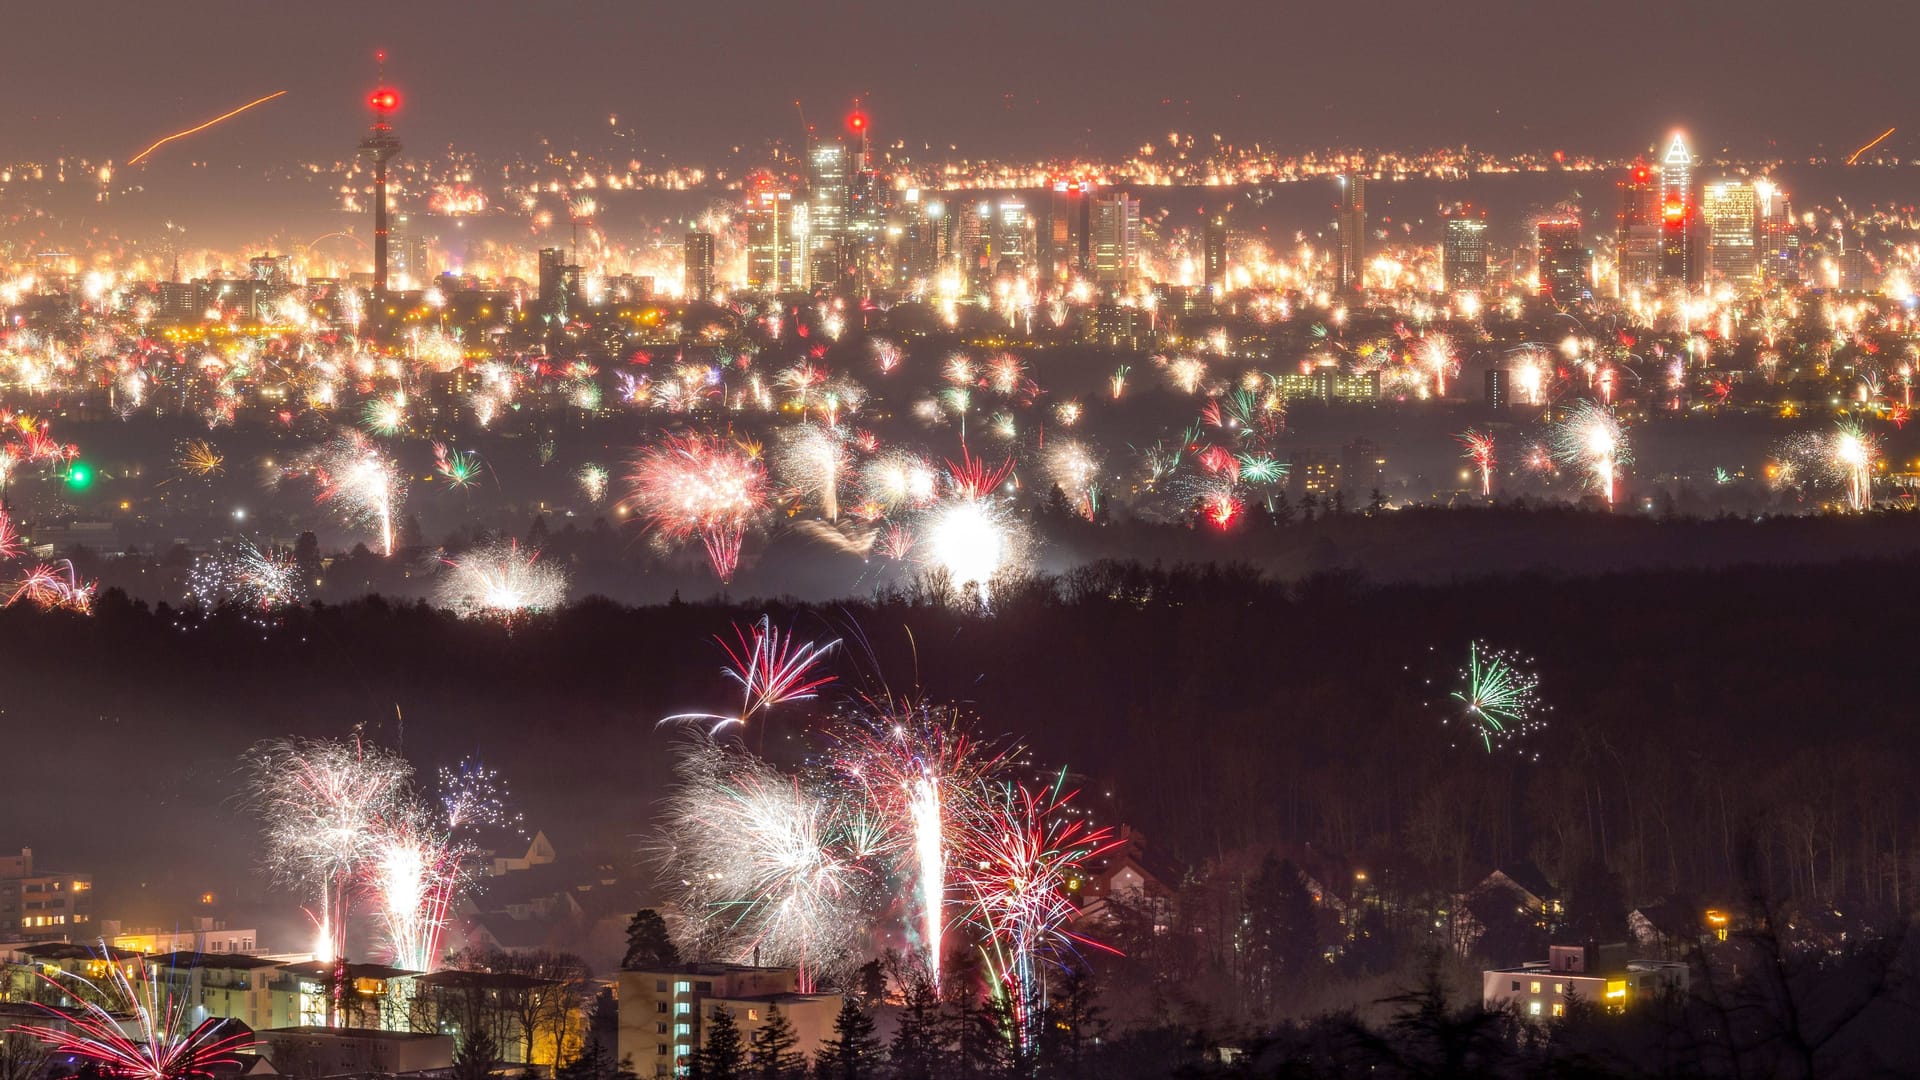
1597 975
665 1015
37 904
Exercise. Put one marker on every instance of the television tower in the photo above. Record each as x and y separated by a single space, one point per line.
379 147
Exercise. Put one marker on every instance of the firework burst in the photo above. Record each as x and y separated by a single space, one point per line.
1591 439
1498 697
770 670
705 486
500 581
363 485
1479 450
160 1044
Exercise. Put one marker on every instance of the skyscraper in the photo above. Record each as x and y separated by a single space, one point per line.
1214 255
1730 218
1063 231
1463 250
1637 233
1563 261
1679 217
1113 238
698 247
559 284
771 263
1353 231
829 203
1778 238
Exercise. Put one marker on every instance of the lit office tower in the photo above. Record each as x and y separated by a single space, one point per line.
1729 215
771 266
1063 231
1113 238
1777 237
699 265
1636 241
1353 231
1463 250
1679 217
829 202
1012 247
1561 256
1214 255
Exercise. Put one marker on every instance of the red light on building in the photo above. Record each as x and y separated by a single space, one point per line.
858 121
384 100
1675 211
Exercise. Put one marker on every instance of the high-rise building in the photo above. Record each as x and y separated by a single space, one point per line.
1012 243
1637 233
1562 260
1113 238
1499 389
1353 232
829 205
275 271
772 264
698 248
1730 218
1063 231
1463 250
667 1013
1679 218
1778 238
1214 255
559 284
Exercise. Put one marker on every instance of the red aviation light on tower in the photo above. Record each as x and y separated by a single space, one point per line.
857 121
384 100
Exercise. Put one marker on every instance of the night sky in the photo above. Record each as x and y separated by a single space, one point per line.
695 79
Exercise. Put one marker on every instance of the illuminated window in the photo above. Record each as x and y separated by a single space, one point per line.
1535 987
681 1008
1559 1008
682 987
753 1014
1533 1008
683 1029
1559 988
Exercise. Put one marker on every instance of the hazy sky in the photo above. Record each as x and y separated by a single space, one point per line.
696 78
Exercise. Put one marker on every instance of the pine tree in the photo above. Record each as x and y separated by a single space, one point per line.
853 1050
723 1056
916 1041
774 1056
474 1060
649 946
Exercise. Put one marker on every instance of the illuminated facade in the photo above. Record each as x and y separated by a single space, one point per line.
1463 250
1637 232
772 263
664 1015
1595 975
829 204
1062 245
38 904
1680 263
1729 215
1114 239
1353 232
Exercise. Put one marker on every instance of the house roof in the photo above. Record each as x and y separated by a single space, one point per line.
1528 877
320 969
489 980
230 961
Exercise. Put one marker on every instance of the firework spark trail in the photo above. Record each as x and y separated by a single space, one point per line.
1019 856
199 458
1499 696
161 1046
1852 454
1074 467
1591 439
51 586
196 129
812 458
770 671
362 484
322 804
500 581
1479 450
758 865
1436 358
704 486
248 575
